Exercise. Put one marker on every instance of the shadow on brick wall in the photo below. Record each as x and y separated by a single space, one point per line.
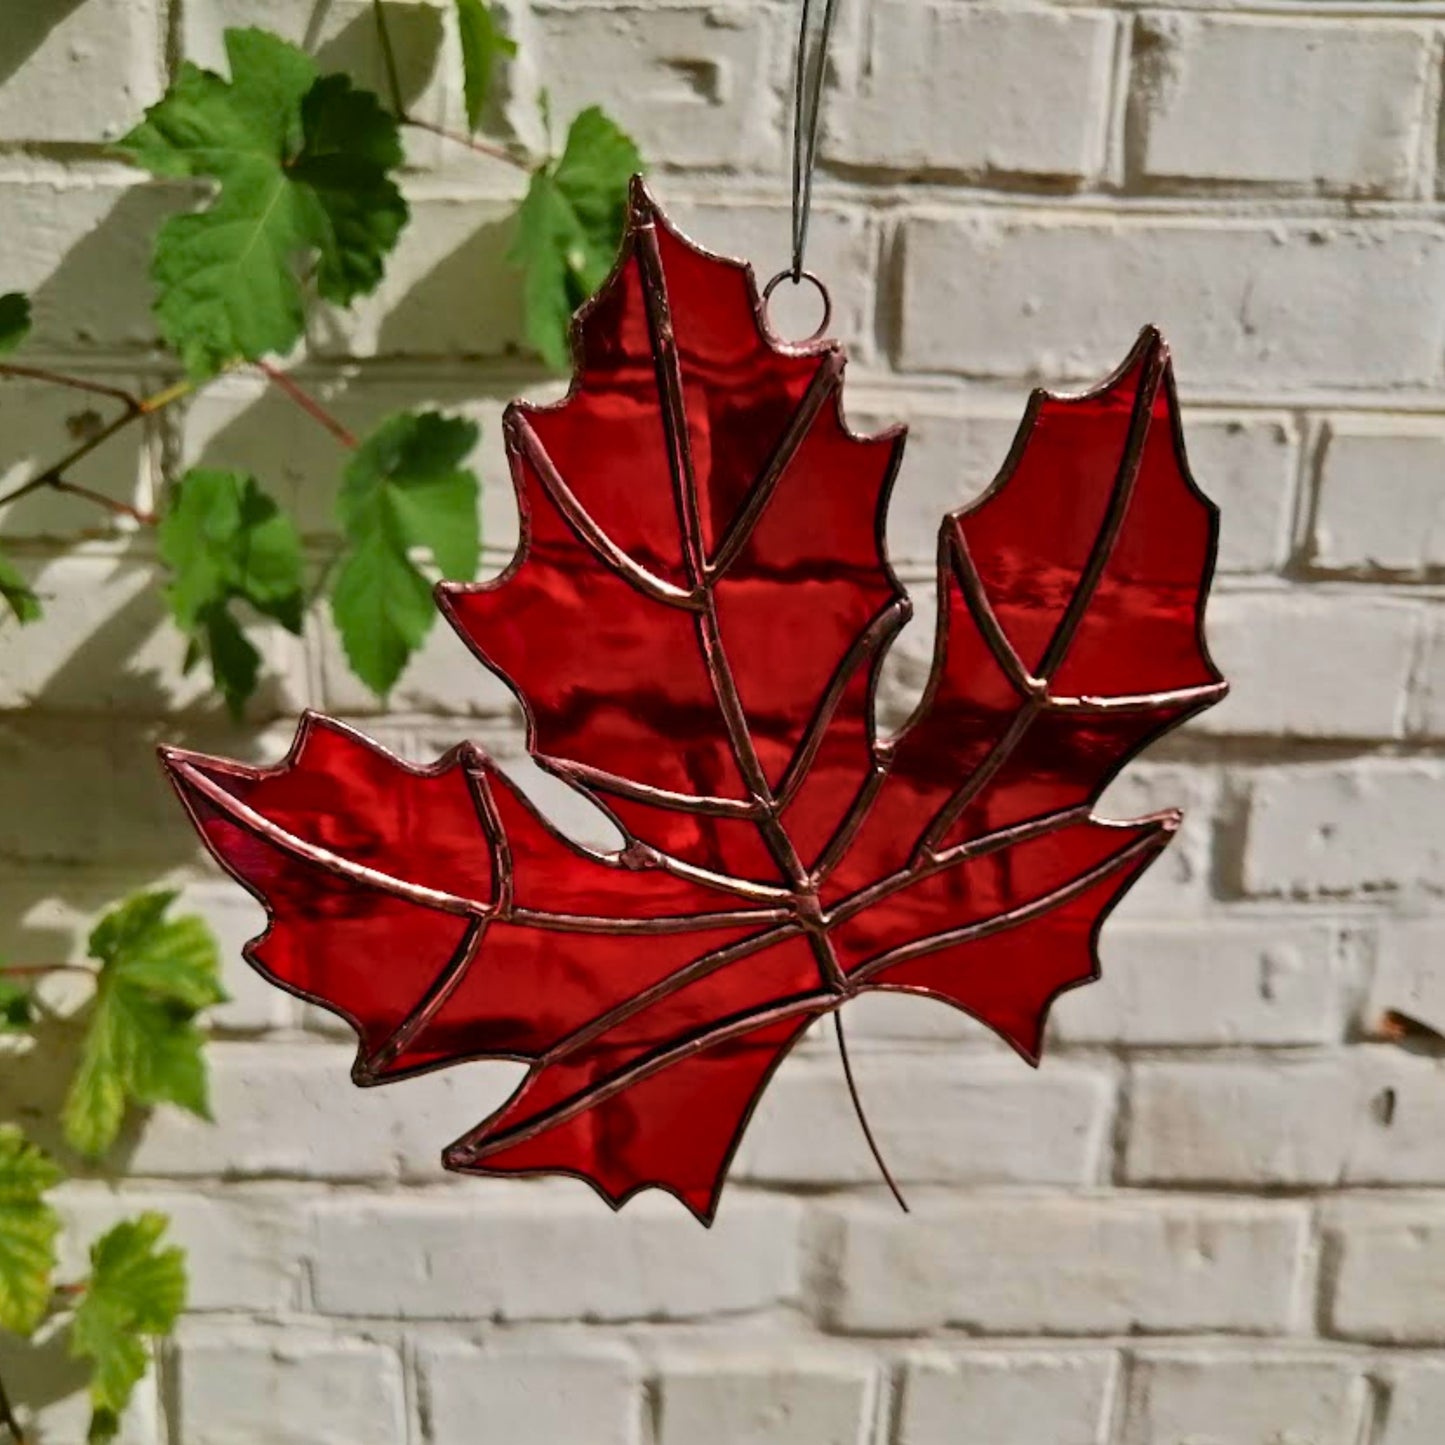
26 29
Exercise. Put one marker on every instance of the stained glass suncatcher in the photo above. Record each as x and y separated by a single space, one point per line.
694 622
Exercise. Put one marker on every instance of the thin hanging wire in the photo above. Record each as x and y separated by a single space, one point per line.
809 74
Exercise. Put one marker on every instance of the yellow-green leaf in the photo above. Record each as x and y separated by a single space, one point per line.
28 1226
141 1045
135 1290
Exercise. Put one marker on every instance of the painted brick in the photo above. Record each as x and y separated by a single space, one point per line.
1417 1403
1029 293
1426 707
1323 828
1410 972
1256 100
250 1385
1388 1279
691 83
988 1121
1070 1266
948 461
765 1401
1246 464
106 644
531 1396
1243 1399
1368 1116
79 793
39 423
291 1110
958 87
1380 505
1398 1124
1178 880
434 301
78 72
1214 1122
1007 1398
1244 981
49 1392
81 249
514 1253
1310 664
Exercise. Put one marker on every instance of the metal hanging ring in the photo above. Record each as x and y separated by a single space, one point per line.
797 280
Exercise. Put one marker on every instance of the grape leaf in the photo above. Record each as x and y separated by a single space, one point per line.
405 487
695 622
568 229
135 1290
483 43
14 320
224 541
304 166
17 593
141 1045
28 1226
17 1009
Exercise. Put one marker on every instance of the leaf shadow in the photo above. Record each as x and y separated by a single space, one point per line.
39 1373
465 303
416 33
99 294
26 29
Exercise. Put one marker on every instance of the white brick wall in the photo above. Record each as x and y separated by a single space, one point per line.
1217 1213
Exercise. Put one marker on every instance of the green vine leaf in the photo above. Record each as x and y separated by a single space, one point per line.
484 43
28 1226
404 488
17 594
141 1044
225 540
17 1008
304 166
135 1289
569 228
14 320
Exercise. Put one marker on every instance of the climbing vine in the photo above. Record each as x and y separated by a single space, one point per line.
299 202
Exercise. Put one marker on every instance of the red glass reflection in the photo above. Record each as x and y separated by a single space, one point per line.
694 622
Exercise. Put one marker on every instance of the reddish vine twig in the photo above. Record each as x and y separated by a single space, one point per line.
398 105
77 383
53 476
287 384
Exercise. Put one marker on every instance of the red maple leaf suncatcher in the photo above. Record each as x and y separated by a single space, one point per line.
695 621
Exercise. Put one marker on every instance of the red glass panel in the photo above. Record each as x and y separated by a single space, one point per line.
694 623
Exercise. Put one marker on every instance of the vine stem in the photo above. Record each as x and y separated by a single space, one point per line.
53 476
862 1117
388 56
287 384
499 153
393 84
7 1418
76 383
